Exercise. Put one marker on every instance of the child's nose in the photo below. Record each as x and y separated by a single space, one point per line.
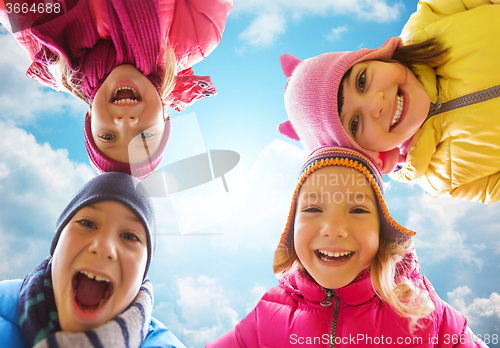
104 246
126 120
334 227
375 105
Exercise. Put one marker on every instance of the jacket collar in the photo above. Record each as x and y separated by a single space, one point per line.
361 290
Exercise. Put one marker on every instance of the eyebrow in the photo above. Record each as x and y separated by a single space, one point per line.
359 193
134 217
130 214
107 145
93 206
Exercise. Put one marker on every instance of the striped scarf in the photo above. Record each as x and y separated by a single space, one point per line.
40 324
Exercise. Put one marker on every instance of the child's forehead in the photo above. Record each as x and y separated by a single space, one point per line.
337 176
111 207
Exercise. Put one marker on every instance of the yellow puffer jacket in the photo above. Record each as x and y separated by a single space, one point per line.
457 153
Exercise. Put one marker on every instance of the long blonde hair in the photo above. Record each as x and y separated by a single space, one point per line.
405 297
67 80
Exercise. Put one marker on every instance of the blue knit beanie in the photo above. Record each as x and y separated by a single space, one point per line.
118 187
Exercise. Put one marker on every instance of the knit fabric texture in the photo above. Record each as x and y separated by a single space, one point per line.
118 187
40 324
339 156
135 39
37 306
311 95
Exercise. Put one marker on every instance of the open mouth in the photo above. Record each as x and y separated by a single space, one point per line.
91 291
125 95
399 110
325 255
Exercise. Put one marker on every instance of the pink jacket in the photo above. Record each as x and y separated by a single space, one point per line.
300 313
192 27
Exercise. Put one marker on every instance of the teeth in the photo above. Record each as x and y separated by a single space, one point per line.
126 101
334 254
95 276
123 101
399 110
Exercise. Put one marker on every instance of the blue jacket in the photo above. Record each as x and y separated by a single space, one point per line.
12 335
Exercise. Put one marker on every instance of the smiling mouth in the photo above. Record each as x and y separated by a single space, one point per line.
125 95
91 291
325 255
399 110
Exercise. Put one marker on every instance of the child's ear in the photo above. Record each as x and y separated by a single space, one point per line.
288 64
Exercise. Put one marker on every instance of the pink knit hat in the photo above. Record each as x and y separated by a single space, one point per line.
104 164
311 99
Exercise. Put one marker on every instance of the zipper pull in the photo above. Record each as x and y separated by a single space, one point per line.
435 107
328 299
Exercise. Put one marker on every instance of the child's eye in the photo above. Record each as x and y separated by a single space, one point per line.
311 210
362 81
130 236
354 125
87 223
360 211
107 137
145 135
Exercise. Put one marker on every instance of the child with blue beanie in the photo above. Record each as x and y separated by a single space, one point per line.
93 290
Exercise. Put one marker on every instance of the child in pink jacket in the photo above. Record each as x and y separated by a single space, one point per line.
129 60
347 270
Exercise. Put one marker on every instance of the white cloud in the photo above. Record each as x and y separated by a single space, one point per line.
336 33
257 291
265 29
387 186
439 233
272 16
483 314
36 182
23 99
204 312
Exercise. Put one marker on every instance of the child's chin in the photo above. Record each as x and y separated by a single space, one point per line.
88 318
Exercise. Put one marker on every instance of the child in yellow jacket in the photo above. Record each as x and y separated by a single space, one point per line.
424 105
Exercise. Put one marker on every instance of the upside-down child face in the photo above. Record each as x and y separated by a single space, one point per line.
127 116
98 265
384 105
336 230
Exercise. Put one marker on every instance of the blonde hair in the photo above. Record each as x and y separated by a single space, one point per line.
405 297
67 80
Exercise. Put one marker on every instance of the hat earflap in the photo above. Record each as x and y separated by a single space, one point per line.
389 160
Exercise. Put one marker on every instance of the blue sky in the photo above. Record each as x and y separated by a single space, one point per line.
206 282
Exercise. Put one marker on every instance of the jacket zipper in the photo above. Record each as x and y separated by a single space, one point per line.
330 293
469 99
